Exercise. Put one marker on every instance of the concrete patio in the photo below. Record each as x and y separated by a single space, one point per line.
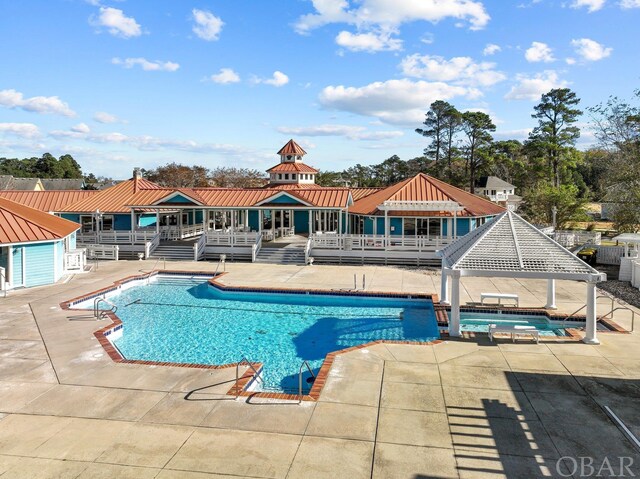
460 409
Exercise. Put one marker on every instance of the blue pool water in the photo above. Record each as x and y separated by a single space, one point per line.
187 321
479 322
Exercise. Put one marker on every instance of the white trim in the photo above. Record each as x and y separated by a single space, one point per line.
283 193
453 206
39 241
173 195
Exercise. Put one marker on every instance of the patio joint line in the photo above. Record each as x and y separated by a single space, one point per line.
375 436
33 317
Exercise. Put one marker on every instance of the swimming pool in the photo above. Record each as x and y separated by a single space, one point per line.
479 322
182 320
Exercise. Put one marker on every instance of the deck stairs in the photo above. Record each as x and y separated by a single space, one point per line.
289 254
174 250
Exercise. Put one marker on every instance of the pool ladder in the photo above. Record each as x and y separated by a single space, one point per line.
257 375
608 315
102 313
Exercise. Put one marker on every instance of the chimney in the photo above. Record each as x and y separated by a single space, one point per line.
137 175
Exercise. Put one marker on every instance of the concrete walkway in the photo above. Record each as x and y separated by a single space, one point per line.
457 409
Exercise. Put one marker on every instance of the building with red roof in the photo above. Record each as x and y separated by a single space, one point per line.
35 246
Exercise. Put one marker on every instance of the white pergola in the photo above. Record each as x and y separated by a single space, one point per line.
510 247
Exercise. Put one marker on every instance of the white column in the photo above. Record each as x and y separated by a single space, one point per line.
455 224
339 222
157 221
454 317
205 220
9 271
133 220
590 336
551 294
310 222
260 220
246 219
444 286
386 228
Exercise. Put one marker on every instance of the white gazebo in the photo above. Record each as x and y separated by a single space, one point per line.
510 247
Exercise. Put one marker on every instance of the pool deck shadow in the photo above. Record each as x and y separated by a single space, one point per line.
464 408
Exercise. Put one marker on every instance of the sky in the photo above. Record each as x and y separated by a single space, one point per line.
120 84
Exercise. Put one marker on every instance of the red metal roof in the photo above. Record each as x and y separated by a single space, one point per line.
292 148
292 168
425 188
114 199
22 224
47 200
358 193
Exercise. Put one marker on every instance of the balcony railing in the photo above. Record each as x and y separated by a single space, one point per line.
378 242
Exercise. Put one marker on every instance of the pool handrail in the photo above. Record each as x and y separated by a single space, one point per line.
97 312
300 371
257 374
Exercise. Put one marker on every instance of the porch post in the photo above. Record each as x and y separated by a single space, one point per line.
260 221
454 317
133 220
386 228
310 222
590 336
205 220
157 221
339 222
9 271
455 224
444 286
246 219
551 294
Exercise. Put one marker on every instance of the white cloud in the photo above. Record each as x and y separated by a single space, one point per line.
592 5
278 79
23 130
590 50
630 4
151 143
104 117
39 104
348 131
368 42
117 23
207 25
81 128
460 70
532 88
146 65
539 52
225 76
401 102
390 14
491 49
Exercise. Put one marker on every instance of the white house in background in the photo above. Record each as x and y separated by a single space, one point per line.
499 191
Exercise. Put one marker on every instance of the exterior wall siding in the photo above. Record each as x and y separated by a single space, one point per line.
122 222
16 274
301 221
286 199
71 217
39 264
254 220
72 240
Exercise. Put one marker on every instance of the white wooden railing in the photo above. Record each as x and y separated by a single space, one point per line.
635 274
378 242
172 233
199 248
217 238
307 251
116 237
102 251
75 260
570 238
150 246
255 249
